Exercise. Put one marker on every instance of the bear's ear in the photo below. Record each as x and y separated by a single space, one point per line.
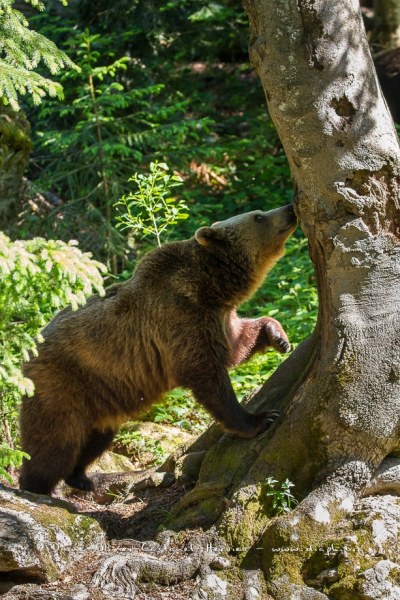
207 236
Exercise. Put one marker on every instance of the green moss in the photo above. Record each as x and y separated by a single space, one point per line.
347 588
344 589
227 462
287 547
202 506
243 522
325 557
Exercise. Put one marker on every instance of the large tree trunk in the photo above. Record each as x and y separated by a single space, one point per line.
339 392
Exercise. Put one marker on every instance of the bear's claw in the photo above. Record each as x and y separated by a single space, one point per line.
283 345
272 415
267 418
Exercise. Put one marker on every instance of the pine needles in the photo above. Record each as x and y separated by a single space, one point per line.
22 51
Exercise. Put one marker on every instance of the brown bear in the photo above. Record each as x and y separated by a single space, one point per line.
174 323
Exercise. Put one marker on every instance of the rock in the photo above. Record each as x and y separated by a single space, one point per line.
379 582
33 592
220 562
379 516
355 568
167 438
111 462
253 588
211 587
40 536
326 576
79 592
282 589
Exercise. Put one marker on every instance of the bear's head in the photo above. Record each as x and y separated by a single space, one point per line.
259 235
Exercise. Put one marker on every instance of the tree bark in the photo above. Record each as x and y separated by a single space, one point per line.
339 392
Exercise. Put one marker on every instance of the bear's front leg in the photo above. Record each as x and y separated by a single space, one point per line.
248 336
212 387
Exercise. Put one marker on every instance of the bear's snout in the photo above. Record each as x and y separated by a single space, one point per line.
289 218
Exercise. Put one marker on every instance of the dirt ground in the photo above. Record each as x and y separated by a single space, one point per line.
132 523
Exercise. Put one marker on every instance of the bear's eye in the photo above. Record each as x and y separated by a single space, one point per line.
259 218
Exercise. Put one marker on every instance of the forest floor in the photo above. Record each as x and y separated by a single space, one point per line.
134 524
129 526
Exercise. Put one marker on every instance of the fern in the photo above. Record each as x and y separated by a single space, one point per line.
22 51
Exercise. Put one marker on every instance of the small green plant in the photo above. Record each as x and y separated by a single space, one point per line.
141 448
10 458
36 277
277 496
180 409
151 209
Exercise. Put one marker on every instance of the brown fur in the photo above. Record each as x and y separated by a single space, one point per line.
173 323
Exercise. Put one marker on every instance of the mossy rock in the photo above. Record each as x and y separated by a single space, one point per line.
111 462
41 536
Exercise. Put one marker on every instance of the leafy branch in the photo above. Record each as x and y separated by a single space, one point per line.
151 209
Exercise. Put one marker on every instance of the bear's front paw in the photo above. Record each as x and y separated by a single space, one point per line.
282 345
251 424
266 419
277 336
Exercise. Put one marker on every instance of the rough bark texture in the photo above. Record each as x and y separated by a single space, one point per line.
315 65
316 69
339 393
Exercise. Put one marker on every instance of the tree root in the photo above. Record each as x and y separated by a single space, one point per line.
118 575
386 479
202 506
277 392
227 460
290 540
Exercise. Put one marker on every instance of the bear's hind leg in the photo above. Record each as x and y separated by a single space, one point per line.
97 442
46 467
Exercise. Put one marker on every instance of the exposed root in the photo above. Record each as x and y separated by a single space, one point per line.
118 576
152 480
386 479
290 539
202 505
106 486
109 485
